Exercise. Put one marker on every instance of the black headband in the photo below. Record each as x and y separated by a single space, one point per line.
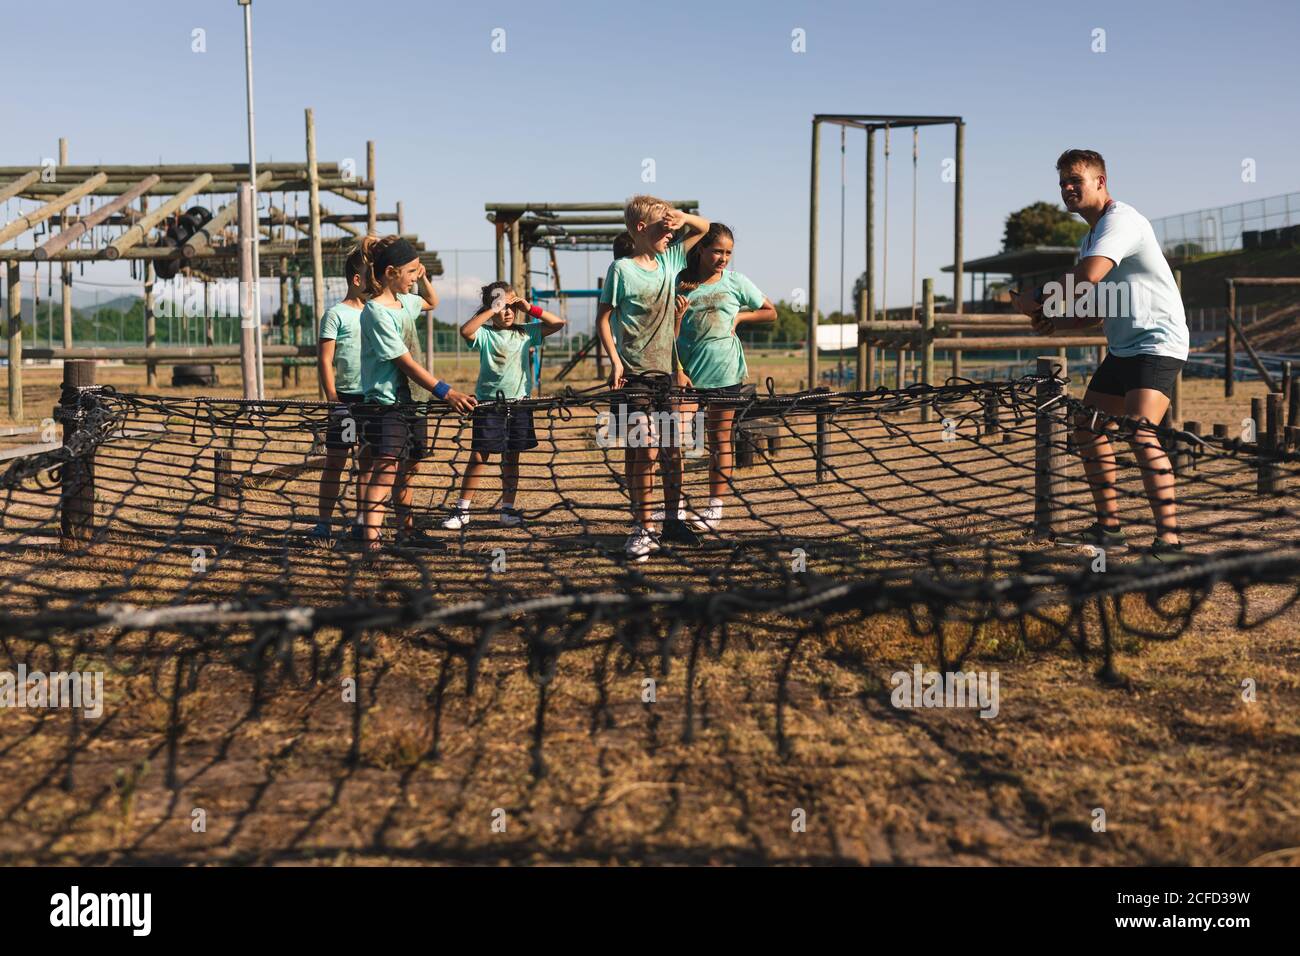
397 255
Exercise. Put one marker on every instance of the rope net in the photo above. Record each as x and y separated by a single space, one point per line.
933 506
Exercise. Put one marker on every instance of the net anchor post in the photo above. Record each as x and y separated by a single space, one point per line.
77 476
927 337
1049 448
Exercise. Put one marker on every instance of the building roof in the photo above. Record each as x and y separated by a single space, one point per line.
1022 261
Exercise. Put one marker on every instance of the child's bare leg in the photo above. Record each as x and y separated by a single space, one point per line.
330 483
509 478
643 480
721 456
1099 457
1157 474
404 493
379 486
473 471
629 473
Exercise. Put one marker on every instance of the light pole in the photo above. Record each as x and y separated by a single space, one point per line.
252 178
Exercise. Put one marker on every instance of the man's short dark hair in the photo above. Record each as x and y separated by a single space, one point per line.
1087 157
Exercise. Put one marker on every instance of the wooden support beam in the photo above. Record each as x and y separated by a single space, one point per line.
201 242
173 170
14 299
60 241
313 209
66 271
370 196
12 189
137 233
36 217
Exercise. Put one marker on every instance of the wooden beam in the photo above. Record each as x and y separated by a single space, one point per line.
57 243
201 241
174 170
370 196
136 233
313 211
15 301
19 184
66 199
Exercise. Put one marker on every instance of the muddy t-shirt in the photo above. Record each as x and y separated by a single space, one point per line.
386 335
503 360
643 319
709 350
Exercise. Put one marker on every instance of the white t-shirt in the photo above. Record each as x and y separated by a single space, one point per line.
1139 298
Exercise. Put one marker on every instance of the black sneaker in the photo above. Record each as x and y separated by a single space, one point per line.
1109 539
677 531
418 539
1167 553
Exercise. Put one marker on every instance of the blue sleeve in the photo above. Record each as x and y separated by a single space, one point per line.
535 334
482 336
412 303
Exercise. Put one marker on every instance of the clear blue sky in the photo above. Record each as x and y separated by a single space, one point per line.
712 92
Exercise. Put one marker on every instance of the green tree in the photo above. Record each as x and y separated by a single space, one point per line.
1041 224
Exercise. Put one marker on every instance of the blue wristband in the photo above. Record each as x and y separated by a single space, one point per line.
441 390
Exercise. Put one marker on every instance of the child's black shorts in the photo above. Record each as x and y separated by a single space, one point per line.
339 416
496 431
394 432
1119 375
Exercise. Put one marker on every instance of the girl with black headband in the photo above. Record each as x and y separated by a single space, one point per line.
395 439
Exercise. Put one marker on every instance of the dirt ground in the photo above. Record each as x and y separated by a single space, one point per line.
796 753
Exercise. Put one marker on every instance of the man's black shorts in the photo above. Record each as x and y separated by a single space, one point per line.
340 414
1119 375
394 432
511 430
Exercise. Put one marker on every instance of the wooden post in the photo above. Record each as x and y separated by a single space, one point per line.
956 358
247 289
957 199
1176 400
812 255
1286 381
869 380
501 248
821 444
67 266
1220 431
1293 406
991 424
900 369
1049 451
313 199
150 321
371 200
284 317
1193 450
15 299
1229 343
208 324
77 476
518 280
927 356
1270 446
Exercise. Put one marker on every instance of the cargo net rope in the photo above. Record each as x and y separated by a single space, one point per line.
166 535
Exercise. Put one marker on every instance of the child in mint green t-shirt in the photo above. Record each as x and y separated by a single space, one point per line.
712 303
635 323
506 343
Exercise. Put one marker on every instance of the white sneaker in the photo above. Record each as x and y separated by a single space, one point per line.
511 517
658 516
457 521
640 543
708 519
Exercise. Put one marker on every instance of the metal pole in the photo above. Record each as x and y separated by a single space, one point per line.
256 316
812 256
957 218
867 356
